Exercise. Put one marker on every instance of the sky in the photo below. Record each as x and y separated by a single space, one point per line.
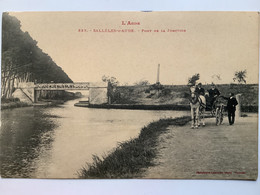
218 43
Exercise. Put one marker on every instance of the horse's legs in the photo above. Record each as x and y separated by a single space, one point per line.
203 116
197 117
192 117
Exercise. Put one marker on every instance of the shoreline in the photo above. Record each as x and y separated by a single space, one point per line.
130 158
18 104
140 106
183 107
12 105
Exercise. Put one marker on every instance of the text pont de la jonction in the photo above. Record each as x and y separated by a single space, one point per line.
131 30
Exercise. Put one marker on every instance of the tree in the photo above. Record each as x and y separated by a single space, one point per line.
192 80
112 80
240 76
142 83
23 60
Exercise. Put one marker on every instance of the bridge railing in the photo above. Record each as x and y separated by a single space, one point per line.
70 86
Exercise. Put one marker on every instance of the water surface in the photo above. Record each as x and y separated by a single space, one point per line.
55 142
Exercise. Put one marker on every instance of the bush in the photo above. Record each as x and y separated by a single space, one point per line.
249 109
147 91
8 100
157 86
166 92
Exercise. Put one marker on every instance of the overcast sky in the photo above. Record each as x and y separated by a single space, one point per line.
214 44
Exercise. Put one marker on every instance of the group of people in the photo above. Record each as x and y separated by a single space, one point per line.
213 94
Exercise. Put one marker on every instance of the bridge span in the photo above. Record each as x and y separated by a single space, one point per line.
69 86
30 92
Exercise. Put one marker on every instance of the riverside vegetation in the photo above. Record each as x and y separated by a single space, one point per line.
130 158
175 97
51 98
23 60
12 103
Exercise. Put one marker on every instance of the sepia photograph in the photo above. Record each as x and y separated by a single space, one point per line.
129 95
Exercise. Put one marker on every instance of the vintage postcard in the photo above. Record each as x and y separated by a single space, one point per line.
169 95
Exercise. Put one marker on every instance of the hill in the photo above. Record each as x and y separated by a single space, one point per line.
23 60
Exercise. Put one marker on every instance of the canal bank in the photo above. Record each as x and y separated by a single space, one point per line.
169 148
130 158
11 103
19 104
141 106
177 107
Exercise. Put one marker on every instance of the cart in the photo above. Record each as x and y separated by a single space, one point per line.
215 110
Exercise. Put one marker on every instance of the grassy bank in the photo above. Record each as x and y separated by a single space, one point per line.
8 103
141 107
179 95
17 104
130 158
253 109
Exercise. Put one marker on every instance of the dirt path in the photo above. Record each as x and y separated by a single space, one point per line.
217 152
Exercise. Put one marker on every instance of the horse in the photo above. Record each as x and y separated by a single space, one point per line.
198 106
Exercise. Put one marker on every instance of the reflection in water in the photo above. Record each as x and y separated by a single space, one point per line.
23 131
56 142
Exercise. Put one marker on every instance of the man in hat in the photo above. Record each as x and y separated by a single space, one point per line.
213 94
199 90
231 107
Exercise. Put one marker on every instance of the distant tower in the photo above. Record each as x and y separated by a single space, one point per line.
158 75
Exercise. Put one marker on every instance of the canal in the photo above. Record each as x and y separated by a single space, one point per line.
56 142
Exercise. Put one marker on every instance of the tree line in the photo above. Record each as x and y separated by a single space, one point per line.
239 76
23 60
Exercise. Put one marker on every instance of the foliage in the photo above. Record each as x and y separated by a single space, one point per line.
13 104
192 80
142 83
23 60
5 100
165 92
156 86
240 76
216 76
112 80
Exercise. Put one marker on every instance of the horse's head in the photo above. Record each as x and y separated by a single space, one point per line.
194 95
192 89
192 92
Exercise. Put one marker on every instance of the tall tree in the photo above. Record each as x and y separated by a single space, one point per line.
240 76
192 80
142 83
23 60
112 80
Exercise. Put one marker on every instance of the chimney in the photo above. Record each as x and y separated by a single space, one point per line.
158 75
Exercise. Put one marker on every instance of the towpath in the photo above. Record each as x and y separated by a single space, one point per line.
219 152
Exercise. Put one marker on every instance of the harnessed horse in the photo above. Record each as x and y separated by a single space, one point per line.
198 106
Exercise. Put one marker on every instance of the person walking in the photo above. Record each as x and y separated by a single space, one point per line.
231 107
